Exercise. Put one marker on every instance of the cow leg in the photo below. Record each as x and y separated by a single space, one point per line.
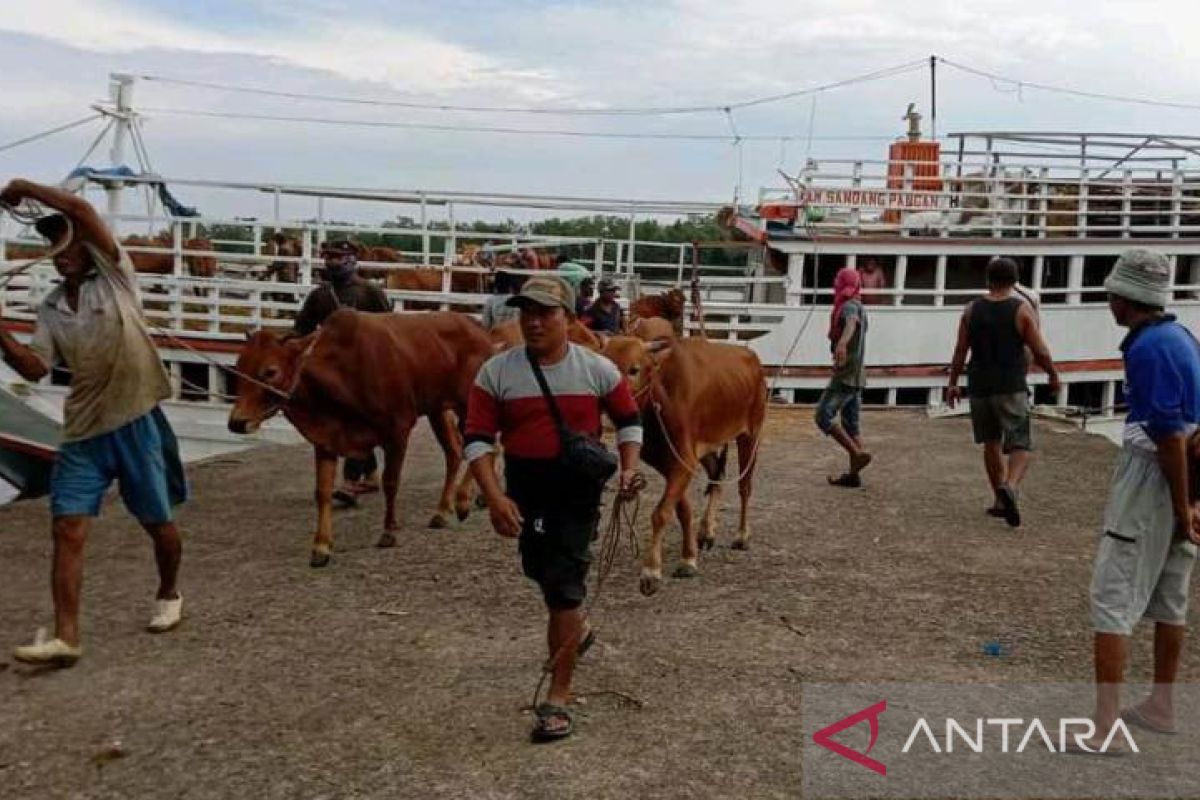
714 468
677 482
446 431
747 460
326 464
393 459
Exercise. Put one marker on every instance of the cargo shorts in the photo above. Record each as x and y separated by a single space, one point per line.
1002 418
1142 569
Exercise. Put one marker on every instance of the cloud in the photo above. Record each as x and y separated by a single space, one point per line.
358 50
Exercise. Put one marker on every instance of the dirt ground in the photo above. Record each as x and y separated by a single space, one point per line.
403 673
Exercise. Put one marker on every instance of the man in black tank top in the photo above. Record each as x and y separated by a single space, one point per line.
996 330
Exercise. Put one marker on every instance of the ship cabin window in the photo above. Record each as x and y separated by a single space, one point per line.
1187 273
1056 272
1095 270
193 381
912 396
966 273
920 280
1086 395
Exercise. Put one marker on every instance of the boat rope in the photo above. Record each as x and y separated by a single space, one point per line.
38 136
597 109
28 214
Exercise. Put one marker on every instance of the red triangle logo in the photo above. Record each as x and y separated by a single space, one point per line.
824 737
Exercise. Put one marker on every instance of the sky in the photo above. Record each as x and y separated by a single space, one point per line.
55 56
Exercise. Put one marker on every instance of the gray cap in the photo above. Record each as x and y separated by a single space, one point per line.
545 290
1141 275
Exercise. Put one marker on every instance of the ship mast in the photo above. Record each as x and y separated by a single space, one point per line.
120 92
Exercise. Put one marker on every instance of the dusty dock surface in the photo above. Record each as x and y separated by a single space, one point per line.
403 672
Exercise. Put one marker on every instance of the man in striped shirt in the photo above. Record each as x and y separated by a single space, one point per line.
554 518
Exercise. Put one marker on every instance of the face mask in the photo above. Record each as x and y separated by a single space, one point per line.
341 271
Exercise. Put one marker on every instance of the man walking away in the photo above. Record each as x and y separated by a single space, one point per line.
995 331
1148 547
555 518
344 287
843 396
113 428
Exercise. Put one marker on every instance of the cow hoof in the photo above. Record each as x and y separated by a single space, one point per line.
650 584
438 521
685 570
740 544
318 559
462 511
386 539
480 502
708 542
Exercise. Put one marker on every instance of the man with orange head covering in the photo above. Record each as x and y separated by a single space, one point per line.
842 398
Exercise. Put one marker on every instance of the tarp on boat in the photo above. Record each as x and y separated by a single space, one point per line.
28 444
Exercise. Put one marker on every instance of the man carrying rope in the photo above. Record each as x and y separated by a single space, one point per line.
554 516
113 428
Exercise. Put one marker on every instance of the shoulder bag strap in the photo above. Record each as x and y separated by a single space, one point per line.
554 411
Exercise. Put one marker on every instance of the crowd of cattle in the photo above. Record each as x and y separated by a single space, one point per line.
363 381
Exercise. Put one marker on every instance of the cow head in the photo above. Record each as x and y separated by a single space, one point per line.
268 360
287 247
636 359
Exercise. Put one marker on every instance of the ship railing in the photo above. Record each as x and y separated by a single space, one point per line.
955 198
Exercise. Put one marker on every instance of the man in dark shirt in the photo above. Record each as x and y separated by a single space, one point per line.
344 287
605 314
995 330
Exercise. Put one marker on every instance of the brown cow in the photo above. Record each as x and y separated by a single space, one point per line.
362 381
652 329
196 263
695 397
669 305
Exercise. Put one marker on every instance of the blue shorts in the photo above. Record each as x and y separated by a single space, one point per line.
840 400
142 455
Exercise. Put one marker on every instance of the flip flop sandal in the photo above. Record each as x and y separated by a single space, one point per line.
1134 716
543 715
993 511
847 479
1072 749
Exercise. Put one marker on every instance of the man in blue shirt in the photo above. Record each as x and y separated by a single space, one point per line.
1148 547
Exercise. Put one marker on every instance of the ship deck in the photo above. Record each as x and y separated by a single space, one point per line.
402 673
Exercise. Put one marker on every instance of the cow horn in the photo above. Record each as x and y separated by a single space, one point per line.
658 345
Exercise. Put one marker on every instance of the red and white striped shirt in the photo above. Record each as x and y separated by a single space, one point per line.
507 401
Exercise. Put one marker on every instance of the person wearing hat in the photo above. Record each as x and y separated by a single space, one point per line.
553 517
1148 542
605 314
343 287
997 331
113 428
